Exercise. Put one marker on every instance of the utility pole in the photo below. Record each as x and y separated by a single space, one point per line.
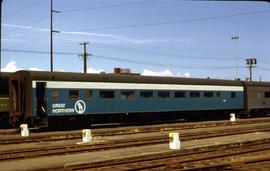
85 55
51 33
251 62
235 38
0 41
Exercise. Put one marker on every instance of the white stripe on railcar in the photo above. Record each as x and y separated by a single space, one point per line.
135 86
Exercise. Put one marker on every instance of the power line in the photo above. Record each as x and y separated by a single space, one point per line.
108 6
168 55
23 8
37 52
163 54
31 22
30 41
264 61
176 21
233 0
125 60
163 65
143 51
262 68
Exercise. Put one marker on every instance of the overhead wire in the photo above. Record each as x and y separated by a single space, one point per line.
164 23
164 54
108 6
263 68
176 21
126 60
9 49
143 51
164 65
29 23
29 41
37 52
169 55
160 54
230 0
23 8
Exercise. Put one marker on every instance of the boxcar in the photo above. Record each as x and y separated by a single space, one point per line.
38 96
257 98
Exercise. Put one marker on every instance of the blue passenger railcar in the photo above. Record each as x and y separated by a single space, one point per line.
72 98
38 96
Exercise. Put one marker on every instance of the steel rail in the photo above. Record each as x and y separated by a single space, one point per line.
116 144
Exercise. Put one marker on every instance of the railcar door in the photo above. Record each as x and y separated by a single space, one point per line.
41 108
17 101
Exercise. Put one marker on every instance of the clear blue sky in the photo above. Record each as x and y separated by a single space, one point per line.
162 36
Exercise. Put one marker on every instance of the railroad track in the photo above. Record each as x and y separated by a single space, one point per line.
9 131
219 157
129 129
156 138
71 135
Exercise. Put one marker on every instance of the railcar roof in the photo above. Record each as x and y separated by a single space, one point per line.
257 83
124 78
5 74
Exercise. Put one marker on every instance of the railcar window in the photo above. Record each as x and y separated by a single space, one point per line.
259 95
218 94
179 94
163 94
146 94
73 94
88 94
55 94
194 94
106 94
127 95
208 94
233 94
4 88
267 94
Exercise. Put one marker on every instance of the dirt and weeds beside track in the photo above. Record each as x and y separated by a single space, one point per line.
214 157
37 135
58 150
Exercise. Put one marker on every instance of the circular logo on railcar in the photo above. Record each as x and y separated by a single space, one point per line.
80 107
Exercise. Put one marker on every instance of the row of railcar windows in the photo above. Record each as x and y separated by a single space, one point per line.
267 94
146 94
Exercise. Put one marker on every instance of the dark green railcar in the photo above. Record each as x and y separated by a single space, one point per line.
4 99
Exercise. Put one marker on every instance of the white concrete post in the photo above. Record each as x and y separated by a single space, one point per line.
232 117
87 137
24 130
174 141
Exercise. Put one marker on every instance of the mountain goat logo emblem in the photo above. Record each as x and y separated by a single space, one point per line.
80 107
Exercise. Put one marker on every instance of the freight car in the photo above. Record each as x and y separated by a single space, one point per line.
257 98
39 98
4 99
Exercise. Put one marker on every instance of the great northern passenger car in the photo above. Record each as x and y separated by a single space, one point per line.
37 97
